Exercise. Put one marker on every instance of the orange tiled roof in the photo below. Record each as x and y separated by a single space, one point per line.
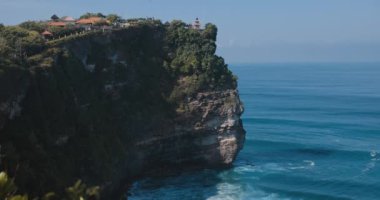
56 24
91 20
46 33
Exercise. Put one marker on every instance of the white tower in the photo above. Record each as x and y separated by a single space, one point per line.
197 24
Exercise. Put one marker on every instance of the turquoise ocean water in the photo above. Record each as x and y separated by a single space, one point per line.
313 132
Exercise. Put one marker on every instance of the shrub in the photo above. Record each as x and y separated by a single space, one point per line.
34 26
79 191
7 186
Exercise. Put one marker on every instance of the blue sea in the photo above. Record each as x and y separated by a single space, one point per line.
313 132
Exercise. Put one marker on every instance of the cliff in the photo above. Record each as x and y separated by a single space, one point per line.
108 107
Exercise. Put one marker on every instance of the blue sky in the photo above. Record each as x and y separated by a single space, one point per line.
249 30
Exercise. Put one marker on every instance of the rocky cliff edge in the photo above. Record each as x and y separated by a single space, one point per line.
109 107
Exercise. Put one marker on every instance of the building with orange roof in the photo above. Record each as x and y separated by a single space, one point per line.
87 23
57 24
47 34
91 21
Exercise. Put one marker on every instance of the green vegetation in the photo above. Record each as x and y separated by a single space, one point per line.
17 43
88 15
87 99
34 26
7 186
191 54
78 191
58 32
113 18
64 31
67 38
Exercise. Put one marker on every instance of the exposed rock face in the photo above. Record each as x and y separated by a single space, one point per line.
208 132
12 97
216 118
12 108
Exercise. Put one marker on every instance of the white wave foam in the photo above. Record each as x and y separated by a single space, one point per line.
247 168
372 163
373 153
310 162
274 167
306 164
369 167
299 167
228 191
266 168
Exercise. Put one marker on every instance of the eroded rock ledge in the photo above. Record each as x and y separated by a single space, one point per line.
209 132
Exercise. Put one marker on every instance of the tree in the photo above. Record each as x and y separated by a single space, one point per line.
4 48
33 26
54 17
88 15
100 15
18 42
210 32
78 191
113 18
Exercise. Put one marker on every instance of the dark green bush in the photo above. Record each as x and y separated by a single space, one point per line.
34 26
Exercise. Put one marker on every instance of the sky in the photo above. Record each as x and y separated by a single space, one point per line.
249 30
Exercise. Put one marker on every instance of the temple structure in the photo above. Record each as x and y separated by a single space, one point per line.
197 24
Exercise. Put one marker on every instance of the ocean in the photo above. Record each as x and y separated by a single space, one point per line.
313 132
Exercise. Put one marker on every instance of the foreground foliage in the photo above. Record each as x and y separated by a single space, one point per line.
79 191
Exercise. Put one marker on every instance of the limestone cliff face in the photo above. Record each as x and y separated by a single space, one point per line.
209 132
220 123
109 107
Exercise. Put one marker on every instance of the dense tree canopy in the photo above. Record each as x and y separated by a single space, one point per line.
191 53
210 31
88 15
34 26
17 43
54 17
113 18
